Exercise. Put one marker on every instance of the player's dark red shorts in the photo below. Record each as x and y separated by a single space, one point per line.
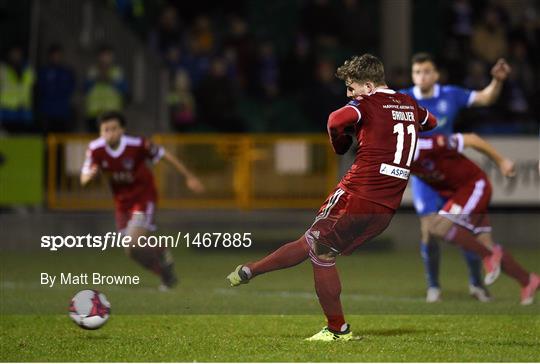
139 213
346 221
468 206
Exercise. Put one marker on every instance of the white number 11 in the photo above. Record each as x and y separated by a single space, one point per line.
398 128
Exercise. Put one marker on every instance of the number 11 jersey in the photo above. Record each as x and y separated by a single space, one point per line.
386 124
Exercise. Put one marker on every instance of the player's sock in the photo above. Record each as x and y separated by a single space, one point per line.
147 258
514 269
430 256
474 263
328 288
466 240
287 256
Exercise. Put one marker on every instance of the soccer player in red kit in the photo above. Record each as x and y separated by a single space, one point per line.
463 219
124 159
386 125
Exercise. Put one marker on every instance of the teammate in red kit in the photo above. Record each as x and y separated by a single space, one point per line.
386 125
463 219
124 160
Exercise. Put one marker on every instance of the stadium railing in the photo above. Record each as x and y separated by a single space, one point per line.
238 170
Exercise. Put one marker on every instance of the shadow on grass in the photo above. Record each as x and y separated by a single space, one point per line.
393 332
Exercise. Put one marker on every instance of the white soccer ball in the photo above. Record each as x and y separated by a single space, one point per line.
89 309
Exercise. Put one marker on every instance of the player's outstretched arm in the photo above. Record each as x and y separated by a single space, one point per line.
192 181
506 166
491 92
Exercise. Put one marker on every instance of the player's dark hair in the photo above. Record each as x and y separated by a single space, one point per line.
423 57
362 68
110 115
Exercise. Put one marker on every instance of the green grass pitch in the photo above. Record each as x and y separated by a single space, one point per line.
266 320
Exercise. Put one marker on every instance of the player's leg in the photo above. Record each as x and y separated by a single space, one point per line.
348 227
292 253
529 282
287 256
448 228
426 204
328 289
159 260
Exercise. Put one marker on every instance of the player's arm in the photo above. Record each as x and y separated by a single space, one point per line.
491 92
192 181
340 127
427 120
506 166
89 170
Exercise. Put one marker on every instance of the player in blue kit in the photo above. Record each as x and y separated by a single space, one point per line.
445 102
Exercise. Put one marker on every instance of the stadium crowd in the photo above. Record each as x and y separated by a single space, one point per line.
235 70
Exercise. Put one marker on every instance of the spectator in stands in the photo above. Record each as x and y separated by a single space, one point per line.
239 42
326 95
181 102
268 70
106 87
16 92
169 31
202 35
216 99
298 67
522 80
55 88
489 41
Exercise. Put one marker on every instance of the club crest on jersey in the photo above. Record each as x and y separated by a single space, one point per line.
128 163
104 164
442 106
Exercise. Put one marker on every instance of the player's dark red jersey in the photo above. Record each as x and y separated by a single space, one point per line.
386 125
439 162
126 167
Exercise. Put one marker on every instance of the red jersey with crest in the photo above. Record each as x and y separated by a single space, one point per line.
386 125
439 163
126 167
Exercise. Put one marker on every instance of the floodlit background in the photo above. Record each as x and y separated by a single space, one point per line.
241 91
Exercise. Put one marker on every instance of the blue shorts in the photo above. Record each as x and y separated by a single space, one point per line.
426 199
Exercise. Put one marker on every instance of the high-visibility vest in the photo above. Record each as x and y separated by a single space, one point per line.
103 96
15 92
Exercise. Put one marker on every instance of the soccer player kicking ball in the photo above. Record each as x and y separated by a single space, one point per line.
386 125
124 160
445 102
463 218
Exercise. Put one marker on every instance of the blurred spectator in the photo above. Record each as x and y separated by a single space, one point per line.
298 67
55 88
106 87
239 42
16 88
489 41
357 26
268 71
326 95
181 103
133 12
168 32
202 35
522 80
216 100
321 21
460 21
